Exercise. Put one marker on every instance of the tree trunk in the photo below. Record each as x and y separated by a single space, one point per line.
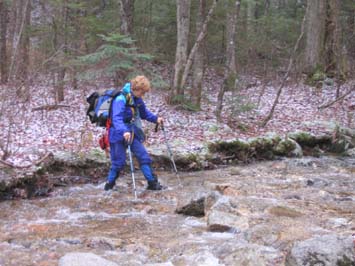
62 70
332 40
315 30
126 16
323 44
230 72
198 70
24 51
21 40
197 44
183 26
250 22
12 29
3 31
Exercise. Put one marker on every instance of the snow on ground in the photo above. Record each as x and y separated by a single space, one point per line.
27 134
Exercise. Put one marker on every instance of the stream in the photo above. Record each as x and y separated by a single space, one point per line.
281 202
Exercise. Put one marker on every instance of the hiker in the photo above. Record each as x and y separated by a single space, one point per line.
128 109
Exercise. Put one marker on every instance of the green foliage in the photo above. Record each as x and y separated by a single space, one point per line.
116 55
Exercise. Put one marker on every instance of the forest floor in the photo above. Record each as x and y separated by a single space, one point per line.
28 129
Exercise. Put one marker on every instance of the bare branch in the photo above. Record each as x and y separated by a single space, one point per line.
36 163
50 107
290 64
199 39
337 99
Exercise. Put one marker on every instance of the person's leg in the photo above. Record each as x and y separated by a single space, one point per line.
118 160
145 162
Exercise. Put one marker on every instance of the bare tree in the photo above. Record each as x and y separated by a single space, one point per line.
323 47
3 40
230 68
197 44
126 16
289 67
183 26
25 43
59 88
198 65
22 15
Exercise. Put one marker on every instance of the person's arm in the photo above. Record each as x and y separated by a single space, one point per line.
145 113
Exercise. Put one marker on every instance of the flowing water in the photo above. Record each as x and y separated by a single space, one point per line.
117 227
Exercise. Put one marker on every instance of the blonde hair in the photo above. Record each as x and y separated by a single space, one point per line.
140 83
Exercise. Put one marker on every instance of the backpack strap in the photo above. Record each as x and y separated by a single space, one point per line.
129 103
114 94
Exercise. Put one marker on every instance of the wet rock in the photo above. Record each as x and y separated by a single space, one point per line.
224 216
103 243
160 264
203 258
292 197
84 259
230 190
219 221
317 182
338 222
350 152
210 200
252 255
263 234
328 250
194 208
70 241
284 211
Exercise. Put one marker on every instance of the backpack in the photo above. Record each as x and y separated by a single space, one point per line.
100 106
99 112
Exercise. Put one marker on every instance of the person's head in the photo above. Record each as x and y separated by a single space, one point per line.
140 85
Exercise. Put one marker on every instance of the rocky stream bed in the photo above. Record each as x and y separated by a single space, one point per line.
284 211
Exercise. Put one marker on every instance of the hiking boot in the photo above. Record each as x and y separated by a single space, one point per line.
154 185
109 185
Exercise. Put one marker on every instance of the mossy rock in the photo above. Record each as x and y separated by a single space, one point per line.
189 162
229 147
289 148
262 148
237 149
305 139
309 140
339 146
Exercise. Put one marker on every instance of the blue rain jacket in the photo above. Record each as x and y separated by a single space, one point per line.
123 119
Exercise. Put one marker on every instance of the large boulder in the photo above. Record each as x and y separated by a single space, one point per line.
327 250
224 216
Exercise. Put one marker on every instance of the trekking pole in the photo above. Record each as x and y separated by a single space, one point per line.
169 151
132 171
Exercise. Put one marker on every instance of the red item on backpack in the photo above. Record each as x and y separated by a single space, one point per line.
103 141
